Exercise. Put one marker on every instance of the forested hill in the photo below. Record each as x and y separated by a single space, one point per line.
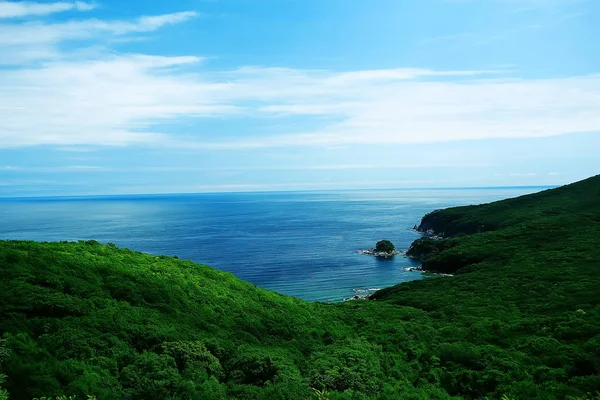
521 319
554 225
528 283
578 201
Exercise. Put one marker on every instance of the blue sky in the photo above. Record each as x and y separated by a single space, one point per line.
115 97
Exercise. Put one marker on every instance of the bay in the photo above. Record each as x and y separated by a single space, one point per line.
303 244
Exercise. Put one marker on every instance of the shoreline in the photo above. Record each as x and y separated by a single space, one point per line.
372 252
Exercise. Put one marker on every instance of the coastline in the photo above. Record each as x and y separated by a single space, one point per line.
373 252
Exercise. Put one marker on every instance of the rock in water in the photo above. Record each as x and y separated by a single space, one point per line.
383 248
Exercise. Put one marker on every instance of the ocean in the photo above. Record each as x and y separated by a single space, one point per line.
302 244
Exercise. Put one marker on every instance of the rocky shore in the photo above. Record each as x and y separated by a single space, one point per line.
420 269
361 294
373 252
429 232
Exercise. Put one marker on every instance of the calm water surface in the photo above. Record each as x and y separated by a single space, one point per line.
302 244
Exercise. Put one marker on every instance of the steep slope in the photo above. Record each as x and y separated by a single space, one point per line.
528 282
553 223
82 316
578 200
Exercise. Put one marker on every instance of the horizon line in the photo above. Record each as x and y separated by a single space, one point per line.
84 196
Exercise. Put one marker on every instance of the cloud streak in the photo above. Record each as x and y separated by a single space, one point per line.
38 33
176 169
10 9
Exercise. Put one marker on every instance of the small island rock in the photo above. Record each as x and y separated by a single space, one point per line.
383 248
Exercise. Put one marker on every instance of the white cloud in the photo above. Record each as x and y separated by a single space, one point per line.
113 101
119 100
90 96
401 111
38 33
11 9
387 75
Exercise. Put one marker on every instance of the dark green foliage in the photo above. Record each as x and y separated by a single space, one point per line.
349 365
384 246
427 247
527 289
579 199
4 353
193 358
75 311
520 318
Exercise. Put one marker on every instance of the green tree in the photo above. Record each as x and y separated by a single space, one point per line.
4 352
385 246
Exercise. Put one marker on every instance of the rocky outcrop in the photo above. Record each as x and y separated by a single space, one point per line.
383 248
430 225
362 294
373 252
454 222
425 246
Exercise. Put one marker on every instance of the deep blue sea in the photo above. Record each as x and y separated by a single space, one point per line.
303 244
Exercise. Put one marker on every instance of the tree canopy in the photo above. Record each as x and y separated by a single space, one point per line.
385 246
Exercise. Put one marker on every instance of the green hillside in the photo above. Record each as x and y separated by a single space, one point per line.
520 318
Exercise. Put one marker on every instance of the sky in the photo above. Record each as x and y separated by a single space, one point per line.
148 96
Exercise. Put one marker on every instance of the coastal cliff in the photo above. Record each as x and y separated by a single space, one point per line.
460 239
463 239
445 223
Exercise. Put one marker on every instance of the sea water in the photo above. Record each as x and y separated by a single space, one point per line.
303 244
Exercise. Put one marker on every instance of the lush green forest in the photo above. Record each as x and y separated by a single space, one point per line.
520 318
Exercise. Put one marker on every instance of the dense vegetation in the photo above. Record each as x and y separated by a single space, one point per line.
385 246
521 318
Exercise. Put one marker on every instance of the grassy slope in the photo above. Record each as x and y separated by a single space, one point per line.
522 318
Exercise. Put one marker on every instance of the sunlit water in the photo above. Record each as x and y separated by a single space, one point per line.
303 244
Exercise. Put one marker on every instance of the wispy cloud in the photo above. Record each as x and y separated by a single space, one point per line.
119 100
97 97
523 174
38 33
112 101
235 170
405 110
12 9
513 19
